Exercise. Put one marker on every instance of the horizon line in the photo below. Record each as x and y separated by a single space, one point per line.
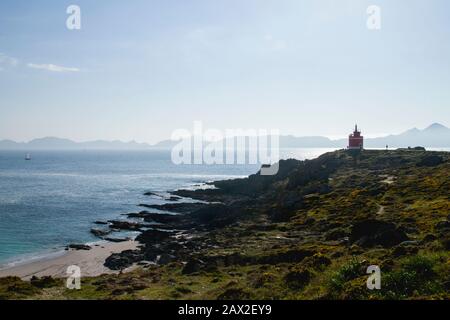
332 138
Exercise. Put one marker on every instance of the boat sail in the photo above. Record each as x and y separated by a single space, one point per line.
28 156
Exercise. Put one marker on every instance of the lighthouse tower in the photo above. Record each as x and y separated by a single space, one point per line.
356 140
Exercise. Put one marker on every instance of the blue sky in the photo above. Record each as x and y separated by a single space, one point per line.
137 70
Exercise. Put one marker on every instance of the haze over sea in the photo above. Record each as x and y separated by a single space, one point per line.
53 200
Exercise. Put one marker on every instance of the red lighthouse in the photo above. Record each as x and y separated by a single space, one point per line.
356 140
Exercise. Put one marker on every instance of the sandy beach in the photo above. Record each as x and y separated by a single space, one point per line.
89 261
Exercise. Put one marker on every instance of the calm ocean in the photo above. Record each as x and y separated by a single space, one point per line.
53 200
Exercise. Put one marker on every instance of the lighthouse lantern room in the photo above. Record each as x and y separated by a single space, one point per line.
356 140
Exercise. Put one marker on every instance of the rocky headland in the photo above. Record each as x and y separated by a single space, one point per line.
308 232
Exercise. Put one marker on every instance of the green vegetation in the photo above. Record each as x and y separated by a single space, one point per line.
14 288
308 233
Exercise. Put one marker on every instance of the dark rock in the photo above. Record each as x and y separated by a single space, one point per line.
429 238
173 198
101 222
100 233
117 239
79 247
151 253
192 266
280 214
183 207
209 195
442 225
153 236
318 170
336 234
165 259
136 215
123 260
404 250
161 217
410 229
446 242
291 200
430 161
125 225
152 194
215 215
446 285
370 233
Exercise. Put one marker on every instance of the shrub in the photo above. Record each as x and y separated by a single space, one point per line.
347 272
421 266
15 288
44 282
416 278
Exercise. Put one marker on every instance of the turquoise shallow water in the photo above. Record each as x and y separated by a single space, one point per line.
53 200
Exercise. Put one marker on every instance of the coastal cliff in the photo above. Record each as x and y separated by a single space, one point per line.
308 232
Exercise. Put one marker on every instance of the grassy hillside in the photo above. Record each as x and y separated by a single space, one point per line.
310 232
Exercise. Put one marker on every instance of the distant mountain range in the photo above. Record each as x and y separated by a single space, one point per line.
434 136
51 143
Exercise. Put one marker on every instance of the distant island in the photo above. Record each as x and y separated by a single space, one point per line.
434 136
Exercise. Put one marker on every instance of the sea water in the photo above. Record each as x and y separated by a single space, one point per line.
54 199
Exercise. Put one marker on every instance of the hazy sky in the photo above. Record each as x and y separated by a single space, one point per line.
139 69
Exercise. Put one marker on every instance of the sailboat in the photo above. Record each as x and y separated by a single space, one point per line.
28 156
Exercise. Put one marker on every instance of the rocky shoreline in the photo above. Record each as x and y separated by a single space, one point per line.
308 232
188 229
171 236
